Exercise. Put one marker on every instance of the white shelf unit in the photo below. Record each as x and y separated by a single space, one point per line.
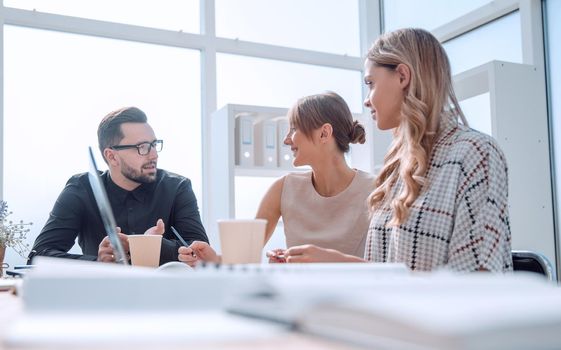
220 163
263 172
519 123
221 170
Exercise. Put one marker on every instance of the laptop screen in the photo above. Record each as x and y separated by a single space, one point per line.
105 210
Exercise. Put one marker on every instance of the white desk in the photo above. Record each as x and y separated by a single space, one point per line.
12 307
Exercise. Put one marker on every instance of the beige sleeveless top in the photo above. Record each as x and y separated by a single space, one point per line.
339 222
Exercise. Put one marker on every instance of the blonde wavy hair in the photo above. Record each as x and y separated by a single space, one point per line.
428 99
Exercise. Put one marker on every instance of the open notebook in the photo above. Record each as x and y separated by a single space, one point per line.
444 311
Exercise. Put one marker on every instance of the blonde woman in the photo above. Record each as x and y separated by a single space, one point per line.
441 197
326 206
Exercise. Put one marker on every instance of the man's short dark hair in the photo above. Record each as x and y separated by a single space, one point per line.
109 132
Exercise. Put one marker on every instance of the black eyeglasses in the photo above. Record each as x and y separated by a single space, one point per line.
143 148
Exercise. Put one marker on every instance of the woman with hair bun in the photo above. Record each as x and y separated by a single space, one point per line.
326 206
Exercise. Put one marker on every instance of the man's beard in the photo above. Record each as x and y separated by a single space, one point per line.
138 176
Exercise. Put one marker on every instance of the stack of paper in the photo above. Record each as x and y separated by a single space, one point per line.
67 285
71 304
443 311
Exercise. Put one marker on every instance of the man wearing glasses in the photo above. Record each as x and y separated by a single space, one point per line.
143 197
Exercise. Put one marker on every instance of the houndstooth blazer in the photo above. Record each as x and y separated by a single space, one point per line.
460 219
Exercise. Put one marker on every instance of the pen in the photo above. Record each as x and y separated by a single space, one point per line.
281 258
181 239
21 267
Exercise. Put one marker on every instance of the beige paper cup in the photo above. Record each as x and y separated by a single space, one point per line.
145 250
242 241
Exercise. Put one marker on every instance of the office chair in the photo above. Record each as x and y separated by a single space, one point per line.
523 260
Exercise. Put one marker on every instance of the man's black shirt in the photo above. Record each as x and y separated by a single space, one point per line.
75 214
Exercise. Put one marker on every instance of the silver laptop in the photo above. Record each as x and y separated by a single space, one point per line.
105 211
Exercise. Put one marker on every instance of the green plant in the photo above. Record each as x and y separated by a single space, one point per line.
13 234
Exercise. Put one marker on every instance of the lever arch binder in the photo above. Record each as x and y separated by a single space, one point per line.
245 140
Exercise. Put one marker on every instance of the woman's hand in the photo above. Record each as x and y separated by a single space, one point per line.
198 251
276 256
310 253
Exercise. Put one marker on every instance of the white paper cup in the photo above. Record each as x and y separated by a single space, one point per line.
145 250
242 241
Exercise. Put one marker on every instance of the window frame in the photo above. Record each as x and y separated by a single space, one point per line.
206 42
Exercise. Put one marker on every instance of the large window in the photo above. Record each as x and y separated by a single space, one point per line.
58 86
247 80
319 25
467 50
428 14
67 64
487 43
180 15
